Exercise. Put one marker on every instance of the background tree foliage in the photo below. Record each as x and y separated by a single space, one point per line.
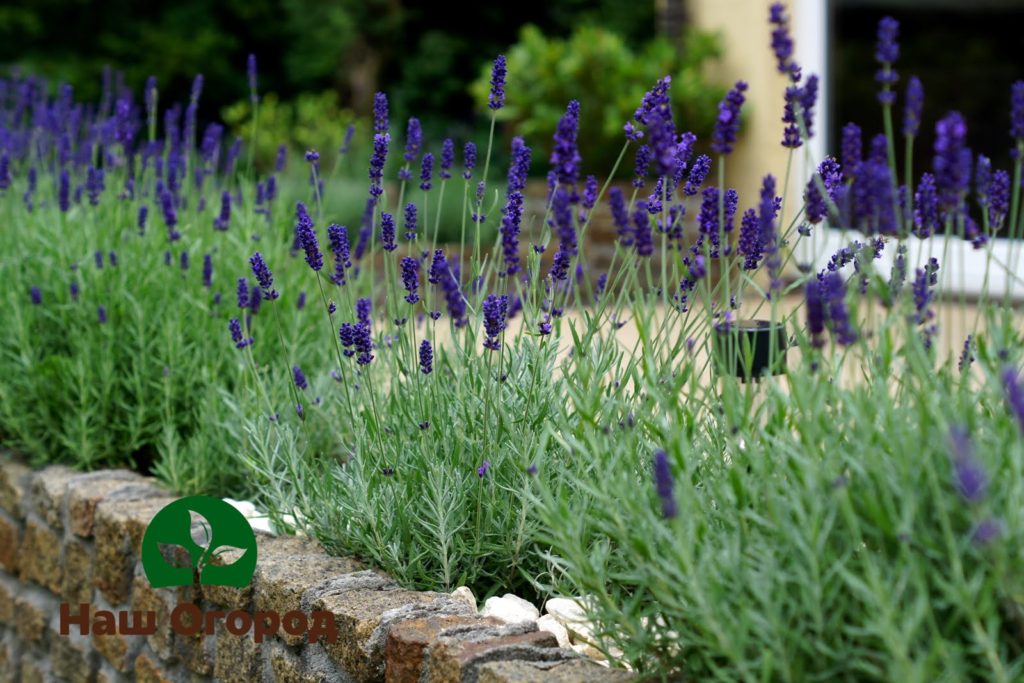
423 54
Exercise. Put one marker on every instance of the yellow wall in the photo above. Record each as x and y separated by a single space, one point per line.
746 41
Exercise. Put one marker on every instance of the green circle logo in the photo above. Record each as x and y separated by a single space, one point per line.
202 528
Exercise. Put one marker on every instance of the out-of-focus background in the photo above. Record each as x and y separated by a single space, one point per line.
320 63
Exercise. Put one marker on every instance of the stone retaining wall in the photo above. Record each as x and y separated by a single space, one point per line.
71 538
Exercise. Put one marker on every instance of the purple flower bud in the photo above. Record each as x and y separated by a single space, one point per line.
482 470
565 156
380 113
815 313
926 207
306 237
101 314
913 106
426 357
207 270
263 276
887 51
380 156
468 160
251 71
35 295
312 156
413 140
663 484
282 157
728 123
300 378
387 231
235 327
426 171
223 220
495 309
998 199
447 158
969 474
1014 395
987 531
698 173
411 278
243 293
782 44
497 98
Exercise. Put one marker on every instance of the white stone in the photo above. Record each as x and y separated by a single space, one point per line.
588 650
262 523
509 611
464 594
244 506
554 627
570 613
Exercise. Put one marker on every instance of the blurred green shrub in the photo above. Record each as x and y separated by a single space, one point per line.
597 67
310 121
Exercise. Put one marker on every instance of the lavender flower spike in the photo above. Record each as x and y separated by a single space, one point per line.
411 278
498 72
728 123
1014 395
913 106
426 357
306 237
887 51
969 475
663 485
263 276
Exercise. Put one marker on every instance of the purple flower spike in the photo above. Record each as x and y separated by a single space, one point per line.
223 220
987 531
1017 111
306 237
380 113
468 160
495 309
926 207
969 474
498 72
728 123
482 470
387 232
426 171
565 156
815 313
833 289
426 357
235 328
410 221
263 276
1014 395
913 106
831 177
380 156
887 51
300 378
413 140
663 484
782 43
337 235
998 199
411 278
251 70
698 173
36 296
447 159
952 161
207 270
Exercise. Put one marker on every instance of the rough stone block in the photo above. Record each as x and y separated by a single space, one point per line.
578 671
10 541
161 602
47 492
458 657
238 657
365 605
119 650
9 589
39 557
13 484
32 670
9 658
149 670
280 581
119 527
270 550
76 585
86 491
195 652
72 656
407 643
33 610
